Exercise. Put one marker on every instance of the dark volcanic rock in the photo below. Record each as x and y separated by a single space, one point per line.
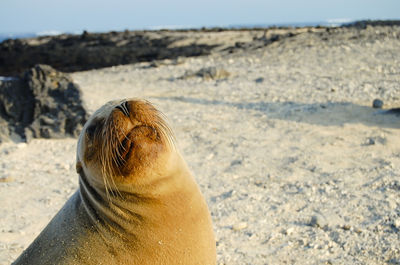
373 23
377 103
70 53
43 103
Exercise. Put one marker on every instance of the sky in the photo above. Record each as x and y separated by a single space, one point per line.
74 16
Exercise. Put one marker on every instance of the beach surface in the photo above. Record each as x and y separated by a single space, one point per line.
295 164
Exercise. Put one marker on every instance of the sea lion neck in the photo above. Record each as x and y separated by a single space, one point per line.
137 204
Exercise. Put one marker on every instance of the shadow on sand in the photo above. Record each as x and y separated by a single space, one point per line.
323 114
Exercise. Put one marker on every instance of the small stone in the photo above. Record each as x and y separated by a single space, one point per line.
289 231
377 104
302 242
391 200
259 80
21 145
370 141
236 162
239 226
318 221
396 223
210 156
346 227
63 166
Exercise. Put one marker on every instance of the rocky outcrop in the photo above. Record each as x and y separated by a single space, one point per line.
43 103
373 23
69 53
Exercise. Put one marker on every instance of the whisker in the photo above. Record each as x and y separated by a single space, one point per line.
104 164
111 155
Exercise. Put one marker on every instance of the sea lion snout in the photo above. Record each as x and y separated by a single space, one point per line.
122 138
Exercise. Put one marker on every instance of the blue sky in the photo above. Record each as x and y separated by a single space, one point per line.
22 16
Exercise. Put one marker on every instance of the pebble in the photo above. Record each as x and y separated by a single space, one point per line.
210 156
289 231
318 221
302 242
377 104
259 80
370 141
346 227
21 145
239 226
396 223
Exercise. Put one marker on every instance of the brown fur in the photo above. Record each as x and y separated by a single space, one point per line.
137 202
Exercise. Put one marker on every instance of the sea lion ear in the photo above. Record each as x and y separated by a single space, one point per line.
79 167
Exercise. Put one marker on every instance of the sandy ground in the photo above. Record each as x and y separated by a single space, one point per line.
295 164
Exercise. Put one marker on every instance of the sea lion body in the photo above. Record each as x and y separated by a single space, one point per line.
137 201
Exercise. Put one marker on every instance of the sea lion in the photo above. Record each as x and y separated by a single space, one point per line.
137 201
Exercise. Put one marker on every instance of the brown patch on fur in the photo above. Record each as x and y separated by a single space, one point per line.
129 139
144 146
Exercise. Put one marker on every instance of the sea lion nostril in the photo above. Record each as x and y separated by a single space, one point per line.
119 107
123 107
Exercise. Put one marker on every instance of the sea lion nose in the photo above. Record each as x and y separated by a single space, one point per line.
123 107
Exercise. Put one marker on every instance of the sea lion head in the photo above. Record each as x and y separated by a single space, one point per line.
124 141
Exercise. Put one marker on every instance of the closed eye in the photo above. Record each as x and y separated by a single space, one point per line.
93 128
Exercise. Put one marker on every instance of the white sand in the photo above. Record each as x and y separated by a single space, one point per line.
297 168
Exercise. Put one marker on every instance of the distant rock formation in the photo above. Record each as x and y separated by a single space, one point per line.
43 103
69 53
372 23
